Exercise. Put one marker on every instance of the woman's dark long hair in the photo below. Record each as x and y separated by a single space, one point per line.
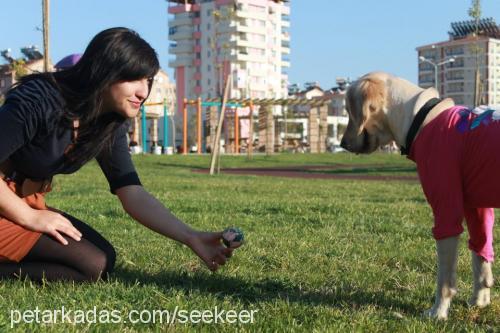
114 55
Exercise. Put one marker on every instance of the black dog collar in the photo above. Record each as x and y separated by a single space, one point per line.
417 122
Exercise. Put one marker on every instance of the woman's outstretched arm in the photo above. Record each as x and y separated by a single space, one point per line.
150 212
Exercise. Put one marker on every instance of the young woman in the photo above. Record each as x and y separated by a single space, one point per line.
53 123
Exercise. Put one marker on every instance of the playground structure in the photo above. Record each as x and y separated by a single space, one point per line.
267 139
139 133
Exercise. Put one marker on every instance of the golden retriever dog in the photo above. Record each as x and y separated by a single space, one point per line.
455 150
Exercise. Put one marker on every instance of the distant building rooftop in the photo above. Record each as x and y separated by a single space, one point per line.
486 27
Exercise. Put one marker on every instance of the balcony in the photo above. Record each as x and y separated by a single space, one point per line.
244 56
425 81
176 48
455 75
425 67
183 8
454 90
181 61
458 63
178 21
454 52
245 13
244 27
175 33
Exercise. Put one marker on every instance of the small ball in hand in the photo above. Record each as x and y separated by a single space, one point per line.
232 237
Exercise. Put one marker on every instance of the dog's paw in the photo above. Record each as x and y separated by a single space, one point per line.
480 298
436 312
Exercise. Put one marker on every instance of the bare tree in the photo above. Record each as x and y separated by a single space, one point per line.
475 13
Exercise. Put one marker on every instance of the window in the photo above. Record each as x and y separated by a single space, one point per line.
255 8
209 68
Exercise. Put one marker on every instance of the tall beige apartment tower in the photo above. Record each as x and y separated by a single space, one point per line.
212 38
453 63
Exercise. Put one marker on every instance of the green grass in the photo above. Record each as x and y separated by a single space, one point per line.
321 255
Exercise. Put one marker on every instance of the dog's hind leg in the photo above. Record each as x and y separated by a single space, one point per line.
480 224
447 251
483 281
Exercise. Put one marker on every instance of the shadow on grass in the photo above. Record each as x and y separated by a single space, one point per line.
325 169
181 165
380 170
221 287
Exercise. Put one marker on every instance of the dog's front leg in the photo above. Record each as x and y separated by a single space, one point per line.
483 281
447 251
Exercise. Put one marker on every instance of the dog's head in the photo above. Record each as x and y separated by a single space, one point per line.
366 104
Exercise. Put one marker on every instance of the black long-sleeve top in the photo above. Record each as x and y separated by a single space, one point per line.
32 140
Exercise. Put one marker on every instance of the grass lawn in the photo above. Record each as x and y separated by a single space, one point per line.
321 255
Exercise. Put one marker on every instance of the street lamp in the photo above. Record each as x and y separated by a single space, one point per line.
424 59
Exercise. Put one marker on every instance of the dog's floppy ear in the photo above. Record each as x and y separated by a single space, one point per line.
373 94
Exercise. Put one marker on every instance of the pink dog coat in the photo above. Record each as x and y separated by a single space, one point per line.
458 160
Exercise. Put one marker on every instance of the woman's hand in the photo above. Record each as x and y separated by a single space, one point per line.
53 224
208 246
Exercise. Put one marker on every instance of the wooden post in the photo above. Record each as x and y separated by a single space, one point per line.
262 127
198 109
313 134
323 127
135 133
144 130
212 115
236 132
216 150
184 126
165 126
269 130
250 134
155 132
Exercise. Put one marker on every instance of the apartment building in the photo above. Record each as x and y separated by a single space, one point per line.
212 38
453 63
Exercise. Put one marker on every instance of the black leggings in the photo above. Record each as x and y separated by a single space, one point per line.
90 259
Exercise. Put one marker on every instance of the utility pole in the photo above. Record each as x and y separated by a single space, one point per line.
45 5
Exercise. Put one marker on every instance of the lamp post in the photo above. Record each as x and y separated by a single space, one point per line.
424 59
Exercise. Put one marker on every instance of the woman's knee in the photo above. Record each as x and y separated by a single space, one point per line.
96 267
110 258
91 261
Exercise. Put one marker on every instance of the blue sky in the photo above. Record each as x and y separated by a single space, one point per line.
328 39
